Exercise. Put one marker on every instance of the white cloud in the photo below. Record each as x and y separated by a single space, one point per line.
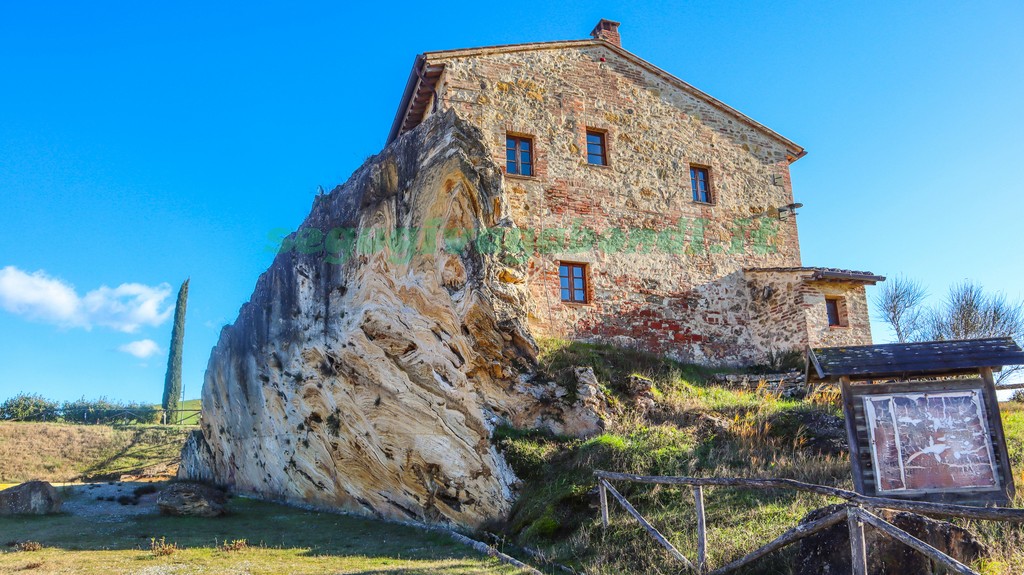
40 297
141 349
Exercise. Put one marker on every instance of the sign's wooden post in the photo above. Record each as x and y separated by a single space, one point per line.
858 548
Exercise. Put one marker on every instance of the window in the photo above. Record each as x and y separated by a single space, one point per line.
597 154
519 155
834 306
701 185
573 280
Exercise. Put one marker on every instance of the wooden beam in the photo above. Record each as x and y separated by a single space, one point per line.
911 541
603 491
995 420
858 547
702 536
795 534
650 528
851 434
940 509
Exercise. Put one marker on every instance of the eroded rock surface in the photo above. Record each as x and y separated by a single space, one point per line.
372 383
31 498
828 552
192 500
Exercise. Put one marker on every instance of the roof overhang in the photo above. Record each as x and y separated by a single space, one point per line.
907 360
846 276
428 67
824 274
420 89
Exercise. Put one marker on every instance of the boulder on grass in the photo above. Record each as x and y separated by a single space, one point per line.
32 498
828 552
192 499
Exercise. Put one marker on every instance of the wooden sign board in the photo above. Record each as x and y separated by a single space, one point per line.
939 441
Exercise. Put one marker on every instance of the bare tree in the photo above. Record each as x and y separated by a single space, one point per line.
970 313
899 305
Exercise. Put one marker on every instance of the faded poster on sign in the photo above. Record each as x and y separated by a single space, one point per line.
930 441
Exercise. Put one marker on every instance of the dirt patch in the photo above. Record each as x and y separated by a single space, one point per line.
111 501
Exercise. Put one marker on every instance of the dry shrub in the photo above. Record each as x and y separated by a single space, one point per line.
161 548
767 391
825 395
234 545
28 546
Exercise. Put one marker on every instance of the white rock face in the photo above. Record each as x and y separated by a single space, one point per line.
373 384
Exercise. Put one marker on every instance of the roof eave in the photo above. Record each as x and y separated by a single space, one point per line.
857 278
410 89
794 150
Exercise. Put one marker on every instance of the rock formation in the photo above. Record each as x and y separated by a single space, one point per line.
192 500
31 498
383 346
828 552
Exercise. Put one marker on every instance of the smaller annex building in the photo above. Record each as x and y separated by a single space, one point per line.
655 215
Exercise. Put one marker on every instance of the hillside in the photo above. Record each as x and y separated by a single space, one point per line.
60 452
693 429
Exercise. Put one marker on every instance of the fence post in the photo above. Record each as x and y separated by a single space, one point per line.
702 541
604 502
858 547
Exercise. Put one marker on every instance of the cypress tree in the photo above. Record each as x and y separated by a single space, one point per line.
172 383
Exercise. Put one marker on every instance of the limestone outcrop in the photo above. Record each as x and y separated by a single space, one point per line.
828 552
383 346
189 499
31 498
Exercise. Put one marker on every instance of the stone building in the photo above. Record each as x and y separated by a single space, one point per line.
371 367
654 215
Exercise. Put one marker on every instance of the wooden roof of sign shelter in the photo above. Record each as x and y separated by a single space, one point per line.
905 360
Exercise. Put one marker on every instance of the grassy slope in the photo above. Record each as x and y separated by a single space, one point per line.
765 437
281 540
65 452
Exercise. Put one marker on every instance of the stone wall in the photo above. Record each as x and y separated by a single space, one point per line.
778 308
787 311
853 306
680 300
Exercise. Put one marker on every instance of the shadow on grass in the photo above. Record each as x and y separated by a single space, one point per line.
261 524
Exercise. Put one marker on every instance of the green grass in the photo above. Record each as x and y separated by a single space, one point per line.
73 452
280 540
696 429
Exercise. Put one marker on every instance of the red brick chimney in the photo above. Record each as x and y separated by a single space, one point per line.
608 31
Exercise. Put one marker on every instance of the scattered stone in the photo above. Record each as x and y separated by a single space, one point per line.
557 412
642 390
789 385
31 498
828 552
192 499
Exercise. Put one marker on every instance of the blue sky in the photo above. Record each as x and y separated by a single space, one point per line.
141 144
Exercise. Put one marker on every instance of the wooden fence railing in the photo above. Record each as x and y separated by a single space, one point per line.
856 514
